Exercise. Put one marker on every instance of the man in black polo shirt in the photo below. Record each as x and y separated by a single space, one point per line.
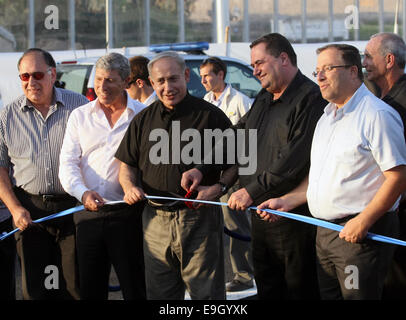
182 247
284 114
384 61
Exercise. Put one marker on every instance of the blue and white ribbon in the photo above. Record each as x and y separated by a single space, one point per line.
289 215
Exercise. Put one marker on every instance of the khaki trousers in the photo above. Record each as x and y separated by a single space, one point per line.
240 251
183 249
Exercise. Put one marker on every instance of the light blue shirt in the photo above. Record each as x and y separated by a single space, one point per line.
352 147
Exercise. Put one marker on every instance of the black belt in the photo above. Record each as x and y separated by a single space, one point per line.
46 197
171 206
349 217
113 207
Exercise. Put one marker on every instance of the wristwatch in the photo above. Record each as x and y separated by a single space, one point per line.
224 188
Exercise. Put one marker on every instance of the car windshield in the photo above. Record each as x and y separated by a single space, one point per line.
73 77
239 76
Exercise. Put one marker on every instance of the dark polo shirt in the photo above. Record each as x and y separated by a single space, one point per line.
157 130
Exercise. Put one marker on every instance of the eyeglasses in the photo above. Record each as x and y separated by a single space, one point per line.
328 69
38 75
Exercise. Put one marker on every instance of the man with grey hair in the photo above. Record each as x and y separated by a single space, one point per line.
384 62
105 234
183 248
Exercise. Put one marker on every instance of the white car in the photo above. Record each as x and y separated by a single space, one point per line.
78 75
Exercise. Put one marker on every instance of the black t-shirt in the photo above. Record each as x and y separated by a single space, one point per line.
164 143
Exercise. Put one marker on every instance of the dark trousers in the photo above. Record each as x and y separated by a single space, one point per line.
7 263
395 282
354 271
111 236
284 259
47 250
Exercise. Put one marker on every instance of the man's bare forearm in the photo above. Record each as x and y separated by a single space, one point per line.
393 186
297 196
128 177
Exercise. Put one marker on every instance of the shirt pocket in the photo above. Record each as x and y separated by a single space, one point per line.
22 151
345 148
233 116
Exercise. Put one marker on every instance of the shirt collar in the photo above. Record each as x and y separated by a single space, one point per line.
179 108
399 85
95 105
291 91
331 109
56 100
150 99
226 92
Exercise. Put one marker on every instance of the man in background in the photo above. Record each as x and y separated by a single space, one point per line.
384 61
235 105
139 86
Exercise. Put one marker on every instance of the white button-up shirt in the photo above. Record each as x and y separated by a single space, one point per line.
87 156
352 147
232 102
151 99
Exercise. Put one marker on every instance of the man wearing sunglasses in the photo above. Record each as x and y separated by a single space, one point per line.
32 129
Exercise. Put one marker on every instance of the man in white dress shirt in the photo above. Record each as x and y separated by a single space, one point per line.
139 86
234 104
356 177
106 234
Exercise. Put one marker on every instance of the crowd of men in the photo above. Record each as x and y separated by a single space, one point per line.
334 151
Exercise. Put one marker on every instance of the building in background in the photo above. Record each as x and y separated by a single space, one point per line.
81 24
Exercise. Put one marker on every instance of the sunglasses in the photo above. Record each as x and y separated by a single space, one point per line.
38 75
